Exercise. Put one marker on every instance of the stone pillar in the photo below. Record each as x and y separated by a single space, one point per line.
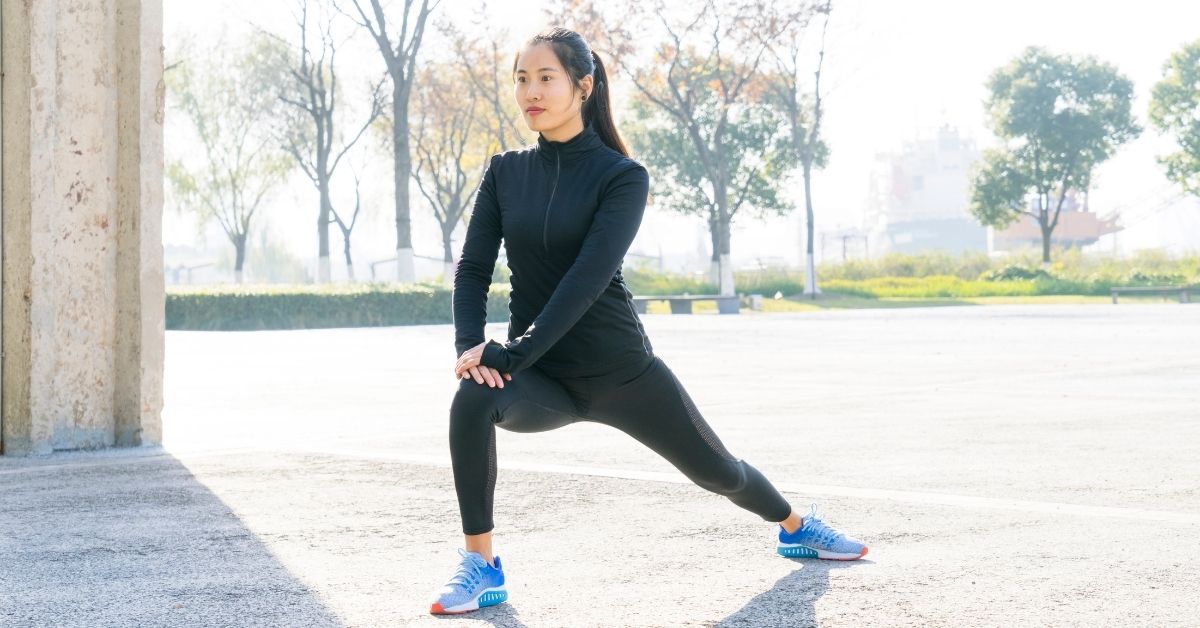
83 295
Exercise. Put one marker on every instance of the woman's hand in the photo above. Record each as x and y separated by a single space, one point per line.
468 366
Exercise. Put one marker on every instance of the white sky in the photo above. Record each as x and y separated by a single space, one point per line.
894 71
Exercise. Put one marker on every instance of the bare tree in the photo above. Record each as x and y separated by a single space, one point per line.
400 58
348 228
220 93
610 33
803 114
488 71
311 134
452 142
704 75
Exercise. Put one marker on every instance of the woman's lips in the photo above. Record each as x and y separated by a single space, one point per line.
534 112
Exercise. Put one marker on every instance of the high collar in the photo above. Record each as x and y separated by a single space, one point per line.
579 146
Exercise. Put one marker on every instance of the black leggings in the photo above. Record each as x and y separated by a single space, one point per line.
644 400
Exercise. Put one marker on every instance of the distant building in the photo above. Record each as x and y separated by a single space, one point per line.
1077 226
919 197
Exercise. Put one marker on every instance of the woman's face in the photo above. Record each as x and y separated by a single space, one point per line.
544 92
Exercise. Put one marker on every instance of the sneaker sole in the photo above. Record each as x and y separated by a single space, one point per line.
487 597
795 550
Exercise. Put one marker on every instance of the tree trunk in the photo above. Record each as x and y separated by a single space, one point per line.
402 160
323 232
714 265
349 259
1045 246
721 193
810 265
447 261
726 286
239 245
1044 222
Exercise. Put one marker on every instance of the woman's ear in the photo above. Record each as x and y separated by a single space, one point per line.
586 85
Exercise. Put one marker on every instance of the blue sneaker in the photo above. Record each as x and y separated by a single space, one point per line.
815 539
474 585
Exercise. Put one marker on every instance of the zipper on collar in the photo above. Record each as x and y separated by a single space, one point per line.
546 218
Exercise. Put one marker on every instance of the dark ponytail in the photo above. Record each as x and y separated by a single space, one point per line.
580 60
597 109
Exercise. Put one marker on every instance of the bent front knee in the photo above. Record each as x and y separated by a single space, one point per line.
474 403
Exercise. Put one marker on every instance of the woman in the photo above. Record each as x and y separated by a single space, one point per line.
567 209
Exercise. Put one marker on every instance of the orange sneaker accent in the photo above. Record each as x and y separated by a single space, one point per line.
864 552
437 609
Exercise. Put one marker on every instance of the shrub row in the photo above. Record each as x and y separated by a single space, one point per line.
937 274
947 286
308 306
248 308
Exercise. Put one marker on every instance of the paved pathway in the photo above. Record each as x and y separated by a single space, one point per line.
1007 464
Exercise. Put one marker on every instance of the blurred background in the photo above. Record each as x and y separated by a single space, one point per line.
948 149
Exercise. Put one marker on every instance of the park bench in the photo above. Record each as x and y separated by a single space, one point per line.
1183 291
682 303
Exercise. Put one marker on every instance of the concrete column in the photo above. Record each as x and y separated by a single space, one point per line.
83 312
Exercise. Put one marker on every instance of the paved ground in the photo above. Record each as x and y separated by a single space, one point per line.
1006 464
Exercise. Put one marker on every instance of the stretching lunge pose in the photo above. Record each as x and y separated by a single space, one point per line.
567 209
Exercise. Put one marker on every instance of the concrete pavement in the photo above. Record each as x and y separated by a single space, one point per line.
1006 464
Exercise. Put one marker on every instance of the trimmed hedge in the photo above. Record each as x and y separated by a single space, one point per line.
948 286
931 275
257 307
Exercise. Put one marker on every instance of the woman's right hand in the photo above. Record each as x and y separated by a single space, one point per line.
477 371
486 373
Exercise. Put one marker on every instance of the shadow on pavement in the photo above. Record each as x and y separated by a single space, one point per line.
502 615
106 540
792 601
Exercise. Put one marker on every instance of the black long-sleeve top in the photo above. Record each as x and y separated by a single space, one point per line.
567 213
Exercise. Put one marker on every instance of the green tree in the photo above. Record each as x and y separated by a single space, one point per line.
1057 117
1175 109
225 99
756 158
